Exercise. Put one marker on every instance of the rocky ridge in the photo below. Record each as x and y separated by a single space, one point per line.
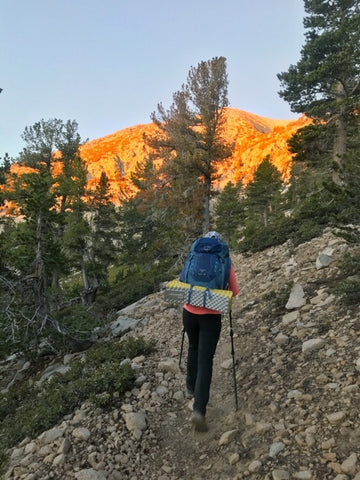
297 371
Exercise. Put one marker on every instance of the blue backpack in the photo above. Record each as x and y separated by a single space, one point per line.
208 264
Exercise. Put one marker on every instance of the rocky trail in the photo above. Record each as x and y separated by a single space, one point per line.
297 356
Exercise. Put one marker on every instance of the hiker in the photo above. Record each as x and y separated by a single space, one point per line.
203 326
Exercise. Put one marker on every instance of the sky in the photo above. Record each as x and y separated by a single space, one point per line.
108 63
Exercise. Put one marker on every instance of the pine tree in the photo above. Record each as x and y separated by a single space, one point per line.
262 192
33 252
229 213
191 140
34 249
148 221
325 83
5 165
101 251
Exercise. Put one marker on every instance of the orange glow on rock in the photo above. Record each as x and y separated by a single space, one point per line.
254 138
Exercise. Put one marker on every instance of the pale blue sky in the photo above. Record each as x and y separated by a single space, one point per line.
108 63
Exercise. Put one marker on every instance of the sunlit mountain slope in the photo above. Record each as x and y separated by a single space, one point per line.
255 137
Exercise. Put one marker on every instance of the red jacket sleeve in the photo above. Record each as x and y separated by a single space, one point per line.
233 285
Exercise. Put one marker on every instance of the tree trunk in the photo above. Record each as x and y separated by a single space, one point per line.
339 147
88 295
206 223
41 280
265 216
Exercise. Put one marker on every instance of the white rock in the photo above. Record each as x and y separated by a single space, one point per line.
254 466
59 459
275 449
234 458
227 364
349 465
227 437
296 299
262 427
323 261
90 474
280 475
281 339
168 365
179 396
65 446
50 435
336 418
358 364
136 423
140 380
312 344
51 370
17 453
303 475
81 433
290 317
30 447
161 390
294 394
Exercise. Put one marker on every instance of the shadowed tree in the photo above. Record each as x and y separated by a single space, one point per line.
34 245
191 139
262 191
229 213
325 83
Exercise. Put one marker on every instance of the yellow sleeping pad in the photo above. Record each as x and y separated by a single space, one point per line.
179 292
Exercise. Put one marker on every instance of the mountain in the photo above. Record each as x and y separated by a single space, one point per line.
254 136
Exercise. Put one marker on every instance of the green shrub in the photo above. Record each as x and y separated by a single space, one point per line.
258 237
277 299
350 264
305 231
349 287
99 377
79 320
128 285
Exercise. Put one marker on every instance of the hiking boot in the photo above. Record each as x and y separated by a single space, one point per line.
198 420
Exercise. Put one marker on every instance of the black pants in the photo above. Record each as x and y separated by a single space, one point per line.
203 332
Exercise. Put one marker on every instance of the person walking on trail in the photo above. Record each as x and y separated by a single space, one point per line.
203 326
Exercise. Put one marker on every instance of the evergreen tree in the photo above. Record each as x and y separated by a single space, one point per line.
148 222
101 251
89 236
229 213
5 165
325 83
191 140
263 191
33 252
34 245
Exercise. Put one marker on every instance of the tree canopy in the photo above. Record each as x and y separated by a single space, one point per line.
191 140
325 83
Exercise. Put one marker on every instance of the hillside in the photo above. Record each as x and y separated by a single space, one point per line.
254 136
297 369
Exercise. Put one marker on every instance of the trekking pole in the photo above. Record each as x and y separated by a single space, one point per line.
182 342
233 359
182 346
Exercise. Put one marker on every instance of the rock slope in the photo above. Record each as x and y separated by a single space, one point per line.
297 373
